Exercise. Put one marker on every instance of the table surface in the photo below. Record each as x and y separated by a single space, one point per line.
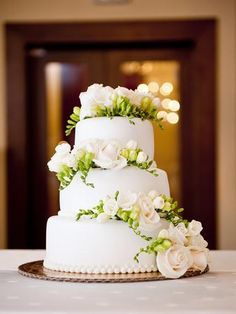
214 292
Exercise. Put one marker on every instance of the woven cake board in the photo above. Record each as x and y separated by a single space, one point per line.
37 270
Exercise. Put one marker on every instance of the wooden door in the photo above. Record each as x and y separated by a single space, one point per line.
101 48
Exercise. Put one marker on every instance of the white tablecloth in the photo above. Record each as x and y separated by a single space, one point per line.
214 292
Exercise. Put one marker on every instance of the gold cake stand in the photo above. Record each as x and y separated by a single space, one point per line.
38 271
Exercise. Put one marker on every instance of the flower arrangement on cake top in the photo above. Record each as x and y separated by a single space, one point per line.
96 153
104 101
178 247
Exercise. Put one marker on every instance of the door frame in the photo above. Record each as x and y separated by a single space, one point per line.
200 170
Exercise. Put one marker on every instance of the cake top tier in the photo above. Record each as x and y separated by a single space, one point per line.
105 101
119 129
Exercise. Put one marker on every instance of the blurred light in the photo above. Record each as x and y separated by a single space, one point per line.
143 88
166 88
153 87
162 114
172 117
130 68
174 105
165 103
146 67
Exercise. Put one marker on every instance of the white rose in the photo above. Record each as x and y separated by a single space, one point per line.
177 234
127 200
200 257
108 156
103 217
197 240
96 95
164 233
124 92
110 207
142 157
158 202
153 194
132 144
149 218
194 228
174 262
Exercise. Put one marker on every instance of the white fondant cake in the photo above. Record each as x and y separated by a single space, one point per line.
78 196
116 214
118 128
92 247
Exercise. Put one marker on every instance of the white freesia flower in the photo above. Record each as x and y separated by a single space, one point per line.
174 262
149 218
177 234
61 157
110 207
194 228
96 95
124 92
197 240
200 257
156 101
91 146
108 156
158 202
153 194
103 217
132 144
63 148
142 157
127 200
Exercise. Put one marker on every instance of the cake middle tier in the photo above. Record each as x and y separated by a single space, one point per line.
117 128
77 195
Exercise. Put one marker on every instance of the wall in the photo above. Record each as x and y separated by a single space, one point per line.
83 10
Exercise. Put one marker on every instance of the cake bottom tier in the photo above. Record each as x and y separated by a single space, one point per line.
91 247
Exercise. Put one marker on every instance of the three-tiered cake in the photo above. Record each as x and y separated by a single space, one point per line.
116 214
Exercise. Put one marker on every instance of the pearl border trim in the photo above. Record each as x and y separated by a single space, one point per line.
100 269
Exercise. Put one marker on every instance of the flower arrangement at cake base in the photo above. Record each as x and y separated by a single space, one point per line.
178 248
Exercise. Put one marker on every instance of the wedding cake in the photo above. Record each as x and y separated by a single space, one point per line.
116 214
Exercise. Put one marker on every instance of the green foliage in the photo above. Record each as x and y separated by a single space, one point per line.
65 176
74 118
171 212
122 107
84 164
157 245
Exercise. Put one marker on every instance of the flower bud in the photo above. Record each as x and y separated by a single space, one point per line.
76 110
125 153
89 156
167 206
133 155
158 202
124 216
166 244
142 157
145 103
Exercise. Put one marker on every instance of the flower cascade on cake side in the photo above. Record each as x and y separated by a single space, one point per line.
96 153
104 101
178 248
